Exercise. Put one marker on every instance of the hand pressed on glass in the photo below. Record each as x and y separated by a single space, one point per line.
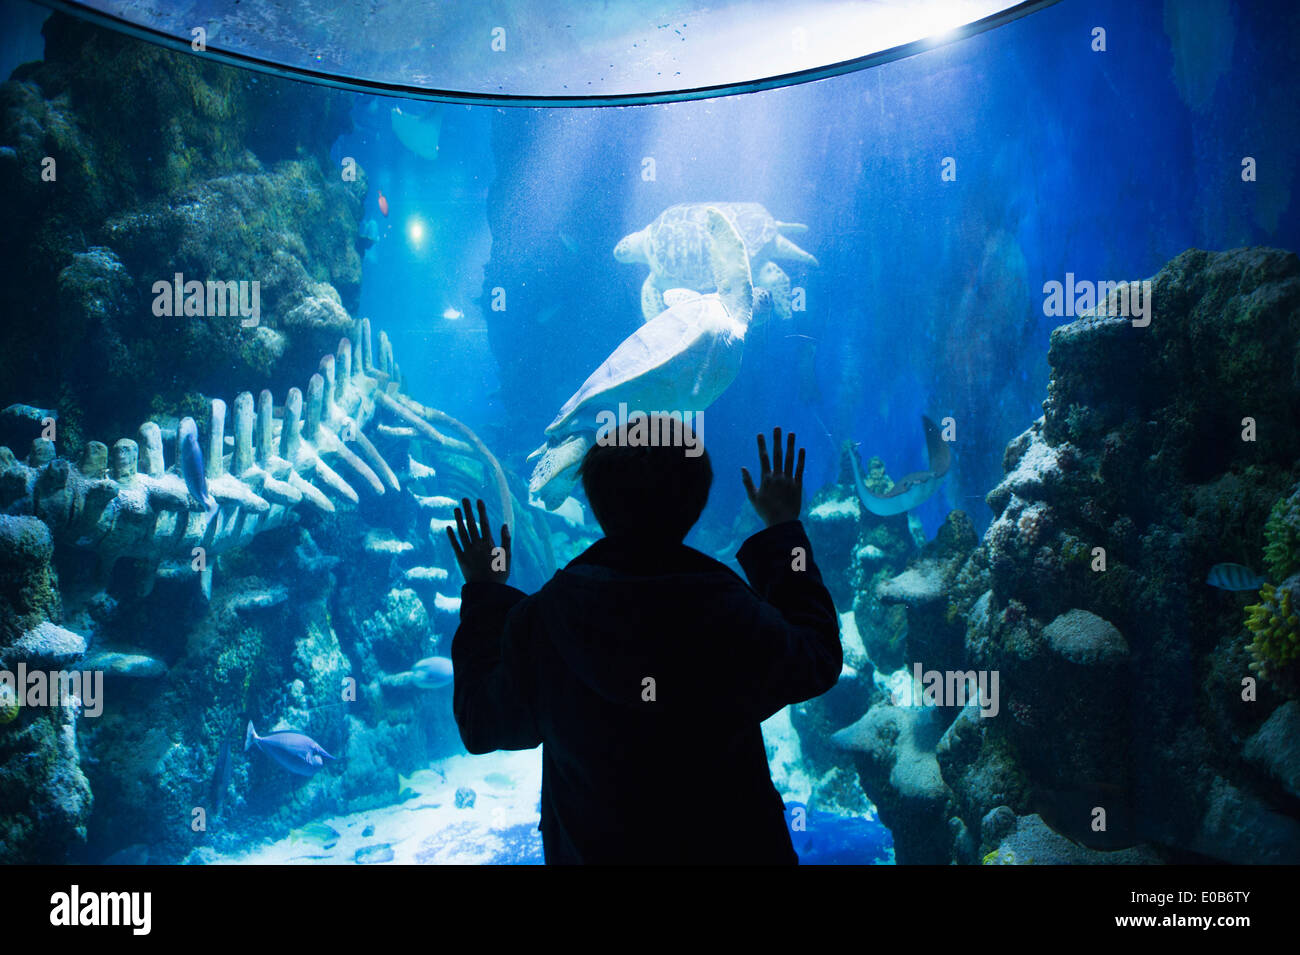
480 559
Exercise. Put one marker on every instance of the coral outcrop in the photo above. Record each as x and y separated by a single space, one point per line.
217 175
45 799
1163 450
1131 721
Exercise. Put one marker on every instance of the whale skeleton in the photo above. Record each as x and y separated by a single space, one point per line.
310 452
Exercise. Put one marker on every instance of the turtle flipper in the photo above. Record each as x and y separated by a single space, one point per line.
679 296
730 265
557 471
652 303
790 228
783 248
773 278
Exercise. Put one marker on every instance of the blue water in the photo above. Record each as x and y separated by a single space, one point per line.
928 298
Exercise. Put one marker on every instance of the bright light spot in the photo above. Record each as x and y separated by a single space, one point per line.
415 231
452 314
939 21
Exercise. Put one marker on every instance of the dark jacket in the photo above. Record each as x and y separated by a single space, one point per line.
646 674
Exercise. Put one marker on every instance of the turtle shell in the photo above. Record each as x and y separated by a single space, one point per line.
678 239
681 360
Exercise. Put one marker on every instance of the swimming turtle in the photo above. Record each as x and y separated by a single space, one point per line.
675 247
681 360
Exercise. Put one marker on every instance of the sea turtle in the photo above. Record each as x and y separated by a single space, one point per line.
675 248
680 361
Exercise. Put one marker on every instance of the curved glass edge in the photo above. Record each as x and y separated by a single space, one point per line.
470 98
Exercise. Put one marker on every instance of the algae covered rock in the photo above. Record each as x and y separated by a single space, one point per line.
217 176
1032 842
1084 638
893 747
1275 748
45 798
1162 451
28 587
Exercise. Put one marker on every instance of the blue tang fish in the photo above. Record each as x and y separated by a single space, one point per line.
432 672
1234 577
192 465
295 752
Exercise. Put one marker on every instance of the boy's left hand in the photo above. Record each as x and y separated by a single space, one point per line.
481 561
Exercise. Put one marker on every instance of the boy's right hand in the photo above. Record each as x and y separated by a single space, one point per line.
780 486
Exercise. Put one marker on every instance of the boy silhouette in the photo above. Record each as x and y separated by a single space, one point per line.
644 667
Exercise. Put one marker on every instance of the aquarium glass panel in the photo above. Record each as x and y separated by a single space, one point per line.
1017 582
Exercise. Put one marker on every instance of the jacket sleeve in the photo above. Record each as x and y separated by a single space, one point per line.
796 652
494 699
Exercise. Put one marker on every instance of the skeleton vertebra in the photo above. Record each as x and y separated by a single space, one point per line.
126 503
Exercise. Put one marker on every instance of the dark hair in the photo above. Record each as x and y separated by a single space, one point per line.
649 492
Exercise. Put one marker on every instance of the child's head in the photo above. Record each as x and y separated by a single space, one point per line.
653 493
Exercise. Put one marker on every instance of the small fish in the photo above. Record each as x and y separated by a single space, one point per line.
1234 577
324 836
432 672
192 465
452 314
419 132
295 752
421 782
383 204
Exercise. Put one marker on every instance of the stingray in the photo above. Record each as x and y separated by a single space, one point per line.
916 487
419 133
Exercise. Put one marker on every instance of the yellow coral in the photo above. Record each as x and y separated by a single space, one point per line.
1276 631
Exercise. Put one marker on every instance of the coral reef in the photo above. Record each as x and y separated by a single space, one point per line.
860 551
1122 672
1282 537
45 798
218 176
856 551
1275 630
283 640
1131 725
